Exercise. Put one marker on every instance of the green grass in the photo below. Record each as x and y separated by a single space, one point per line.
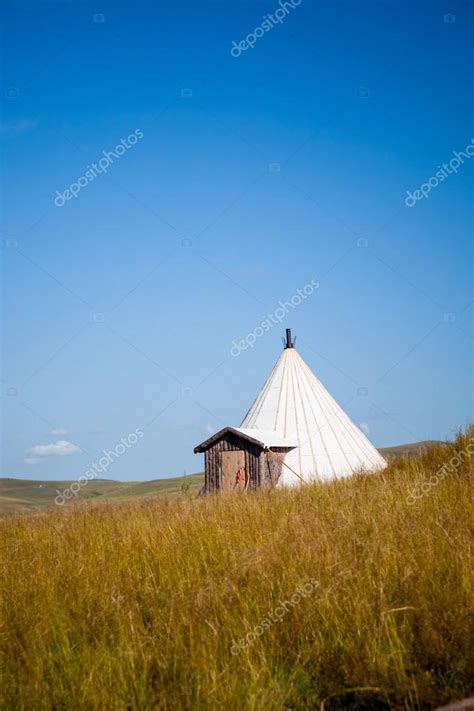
23 496
138 604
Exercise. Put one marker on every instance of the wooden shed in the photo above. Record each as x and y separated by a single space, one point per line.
238 458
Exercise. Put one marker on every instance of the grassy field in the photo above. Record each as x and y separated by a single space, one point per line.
347 595
32 495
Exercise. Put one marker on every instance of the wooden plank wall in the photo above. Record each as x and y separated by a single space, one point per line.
212 461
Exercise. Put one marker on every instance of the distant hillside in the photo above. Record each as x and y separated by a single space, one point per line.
410 450
26 495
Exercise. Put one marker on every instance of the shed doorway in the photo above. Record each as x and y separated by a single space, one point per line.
234 476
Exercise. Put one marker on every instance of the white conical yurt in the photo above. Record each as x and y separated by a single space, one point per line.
294 404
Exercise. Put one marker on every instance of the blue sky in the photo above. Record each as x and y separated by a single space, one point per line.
255 174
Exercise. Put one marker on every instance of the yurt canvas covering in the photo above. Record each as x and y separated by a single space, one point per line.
294 404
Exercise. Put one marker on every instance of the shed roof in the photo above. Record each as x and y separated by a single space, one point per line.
264 438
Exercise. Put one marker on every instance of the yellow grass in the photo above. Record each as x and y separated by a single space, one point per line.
138 605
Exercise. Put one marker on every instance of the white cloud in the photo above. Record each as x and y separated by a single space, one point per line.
60 448
365 428
18 126
31 460
58 431
210 429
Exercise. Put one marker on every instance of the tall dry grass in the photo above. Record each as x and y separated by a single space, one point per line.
137 605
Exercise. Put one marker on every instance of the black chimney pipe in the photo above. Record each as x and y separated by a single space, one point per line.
289 343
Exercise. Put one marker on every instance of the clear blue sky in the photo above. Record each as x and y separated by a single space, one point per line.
255 174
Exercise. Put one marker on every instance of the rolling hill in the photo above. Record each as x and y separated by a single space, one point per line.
30 495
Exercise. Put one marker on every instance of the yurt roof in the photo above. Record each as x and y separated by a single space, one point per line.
297 406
